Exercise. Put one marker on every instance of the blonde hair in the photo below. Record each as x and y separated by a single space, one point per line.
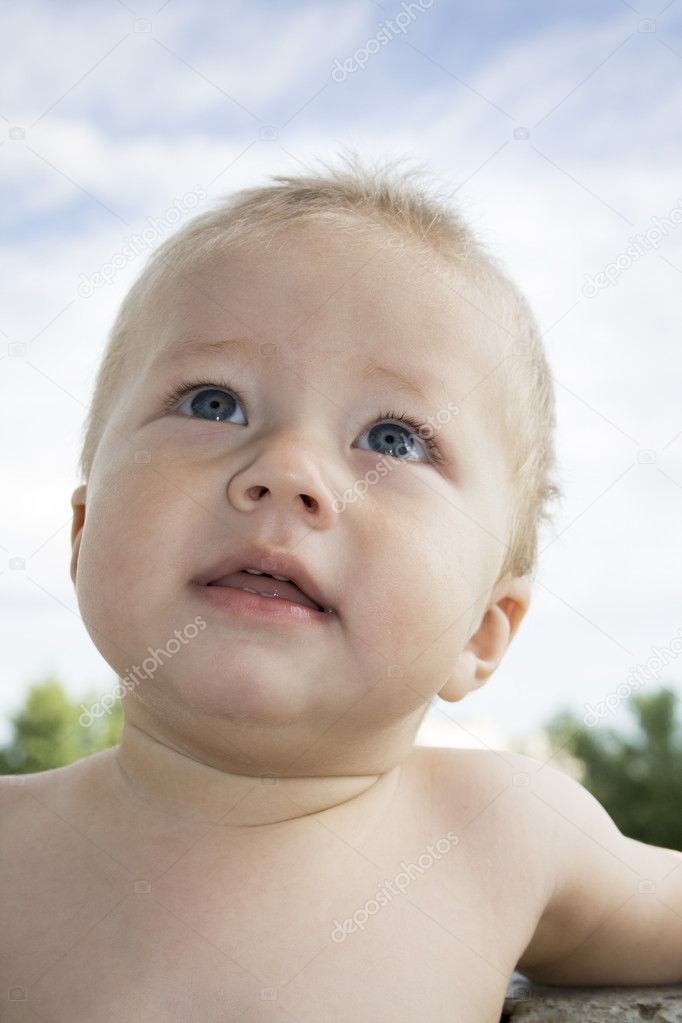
390 202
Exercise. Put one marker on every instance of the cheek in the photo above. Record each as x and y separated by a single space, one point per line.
413 593
126 557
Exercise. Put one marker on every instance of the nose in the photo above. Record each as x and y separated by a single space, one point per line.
286 476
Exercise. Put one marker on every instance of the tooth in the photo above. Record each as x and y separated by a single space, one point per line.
257 592
282 578
254 571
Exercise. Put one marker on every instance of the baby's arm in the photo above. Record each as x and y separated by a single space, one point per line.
615 914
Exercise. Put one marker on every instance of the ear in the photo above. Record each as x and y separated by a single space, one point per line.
78 505
507 605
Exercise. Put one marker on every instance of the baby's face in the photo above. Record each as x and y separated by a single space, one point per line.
306 457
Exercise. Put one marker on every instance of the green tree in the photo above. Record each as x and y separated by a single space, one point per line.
637 778
47 732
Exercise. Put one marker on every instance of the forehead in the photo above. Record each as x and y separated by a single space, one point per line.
315 295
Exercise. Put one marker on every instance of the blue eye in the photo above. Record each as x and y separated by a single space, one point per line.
213 404
210 403
398 431
397 438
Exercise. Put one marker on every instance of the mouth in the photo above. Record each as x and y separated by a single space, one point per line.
276 587
270 574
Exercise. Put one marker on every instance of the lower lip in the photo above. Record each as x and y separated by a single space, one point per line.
276 610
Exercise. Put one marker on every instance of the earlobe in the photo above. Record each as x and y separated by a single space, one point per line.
487 646
78 499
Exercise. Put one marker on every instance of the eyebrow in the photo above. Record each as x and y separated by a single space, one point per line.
427 389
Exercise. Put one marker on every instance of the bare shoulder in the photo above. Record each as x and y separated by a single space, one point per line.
17 790
515 781
535 803
499 805
39 809
597 907
507 804
47 816
608 913
499 776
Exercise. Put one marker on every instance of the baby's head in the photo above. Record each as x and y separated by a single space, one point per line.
256 392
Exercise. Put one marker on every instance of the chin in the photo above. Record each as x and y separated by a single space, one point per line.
244 689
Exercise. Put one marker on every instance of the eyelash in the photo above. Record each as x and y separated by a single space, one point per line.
179 391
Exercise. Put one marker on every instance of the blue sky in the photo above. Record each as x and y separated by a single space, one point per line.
103 126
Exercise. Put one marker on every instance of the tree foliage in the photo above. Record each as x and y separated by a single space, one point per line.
636 777
46 732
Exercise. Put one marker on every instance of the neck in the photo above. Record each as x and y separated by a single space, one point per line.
178 782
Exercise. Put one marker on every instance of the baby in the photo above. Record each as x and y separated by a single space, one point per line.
315 463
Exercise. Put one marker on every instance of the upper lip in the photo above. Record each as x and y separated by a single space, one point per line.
272 562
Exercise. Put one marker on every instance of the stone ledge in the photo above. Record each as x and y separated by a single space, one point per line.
527 1002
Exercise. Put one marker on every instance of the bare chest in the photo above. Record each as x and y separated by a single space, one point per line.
417 917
